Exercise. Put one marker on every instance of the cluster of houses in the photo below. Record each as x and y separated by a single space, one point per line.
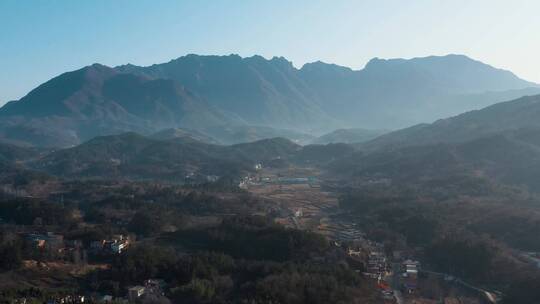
377 265
259 179
406 276
378 268
410 270
151 291
48 241
247 181
69 299
115 245
256 180
410 267
55 246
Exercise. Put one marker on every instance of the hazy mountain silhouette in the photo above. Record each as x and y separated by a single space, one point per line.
260 91
97 100
391 94
385 94
215 93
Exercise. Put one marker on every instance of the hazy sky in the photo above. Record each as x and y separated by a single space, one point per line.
41 39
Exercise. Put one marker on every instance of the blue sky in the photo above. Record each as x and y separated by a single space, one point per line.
41 39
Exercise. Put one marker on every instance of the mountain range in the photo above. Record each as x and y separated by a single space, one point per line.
233 99
133 156
386 94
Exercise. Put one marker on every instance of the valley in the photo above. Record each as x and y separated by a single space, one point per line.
269 152
306 203
407 225
298 192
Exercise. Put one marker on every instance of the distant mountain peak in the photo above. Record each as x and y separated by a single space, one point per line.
457 73
98 66
433 59
323 66
282 61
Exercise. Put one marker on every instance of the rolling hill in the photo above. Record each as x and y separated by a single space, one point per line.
506 116
509 157
133 156
11 154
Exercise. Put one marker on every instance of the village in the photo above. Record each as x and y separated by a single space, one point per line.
397 274
303 202
49 252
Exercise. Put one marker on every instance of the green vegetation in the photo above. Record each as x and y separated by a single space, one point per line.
526 290
10 254
251 260
465 236
257 238
471 259
31 211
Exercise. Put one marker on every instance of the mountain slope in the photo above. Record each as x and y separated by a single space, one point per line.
260 91
11 154
509 157
461 73
97 100
385 94
396 93
512 115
